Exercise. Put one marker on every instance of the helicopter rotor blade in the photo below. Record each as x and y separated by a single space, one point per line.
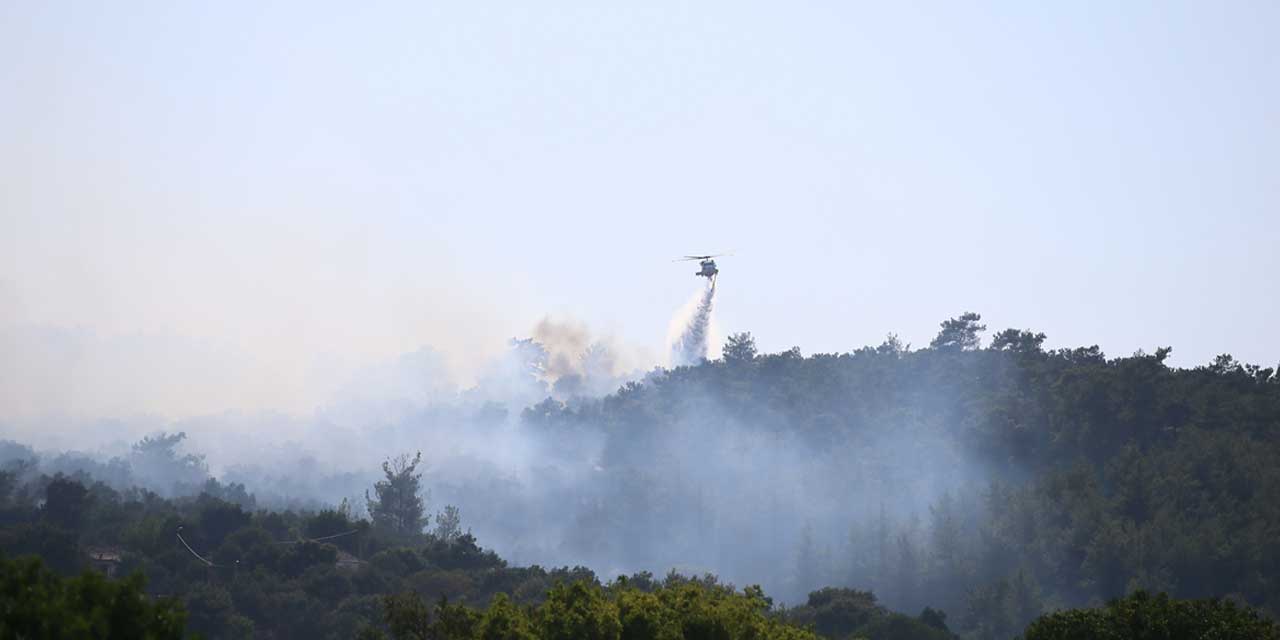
718 255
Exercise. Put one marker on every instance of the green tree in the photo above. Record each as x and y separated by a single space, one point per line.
577 611
211 609
454 621
58 547
407 616
959 334
399 507
644 617
156 460
893 346
334 522
448 524
839 612
739 347
1158 617
36 603
504 621
1017 341
218 519
65 503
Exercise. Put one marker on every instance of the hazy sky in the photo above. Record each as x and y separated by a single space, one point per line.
215 205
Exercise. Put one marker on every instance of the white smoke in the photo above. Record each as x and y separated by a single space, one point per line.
692 329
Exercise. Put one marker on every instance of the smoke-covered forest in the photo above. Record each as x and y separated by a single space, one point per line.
965 488
407 320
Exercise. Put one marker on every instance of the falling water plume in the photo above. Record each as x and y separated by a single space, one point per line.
690 347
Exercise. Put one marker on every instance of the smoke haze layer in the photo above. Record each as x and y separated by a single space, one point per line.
670 470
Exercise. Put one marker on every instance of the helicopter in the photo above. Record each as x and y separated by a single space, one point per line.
707 266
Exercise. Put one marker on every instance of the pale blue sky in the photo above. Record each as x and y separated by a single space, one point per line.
301 184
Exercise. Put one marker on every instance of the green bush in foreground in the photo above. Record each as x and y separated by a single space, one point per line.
1142 616
37 603
585 611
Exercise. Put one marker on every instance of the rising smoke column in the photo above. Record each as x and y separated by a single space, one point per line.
690 348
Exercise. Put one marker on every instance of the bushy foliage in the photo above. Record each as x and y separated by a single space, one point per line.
1142 616
37 603
850 613
583 610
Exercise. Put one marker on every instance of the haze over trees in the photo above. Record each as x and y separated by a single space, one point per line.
971 488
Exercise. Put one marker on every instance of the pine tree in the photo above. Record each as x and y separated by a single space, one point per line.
398 506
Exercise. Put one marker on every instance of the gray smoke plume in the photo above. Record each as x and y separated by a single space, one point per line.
577 364
690 348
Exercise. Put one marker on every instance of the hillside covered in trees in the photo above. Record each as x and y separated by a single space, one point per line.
1048 478
982 486
272 574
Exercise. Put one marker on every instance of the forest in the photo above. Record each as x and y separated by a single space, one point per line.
961 489
274 574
